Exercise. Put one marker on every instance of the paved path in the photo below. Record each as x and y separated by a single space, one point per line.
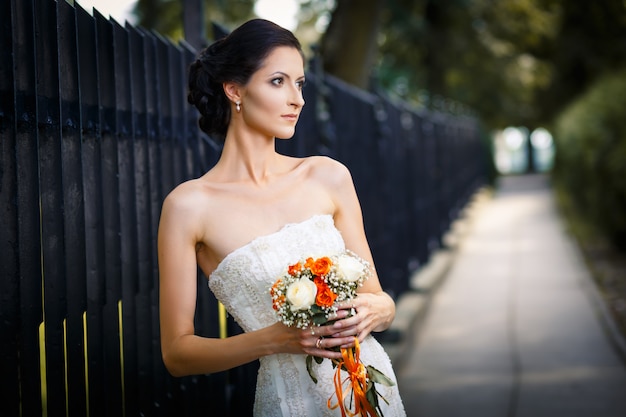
516 328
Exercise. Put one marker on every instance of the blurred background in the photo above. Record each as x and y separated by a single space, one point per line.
95 132
547 80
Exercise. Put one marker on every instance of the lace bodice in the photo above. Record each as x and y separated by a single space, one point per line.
242 282
243 279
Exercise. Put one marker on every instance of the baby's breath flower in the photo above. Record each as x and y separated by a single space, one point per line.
303 293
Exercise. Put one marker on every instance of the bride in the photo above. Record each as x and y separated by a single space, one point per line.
255 212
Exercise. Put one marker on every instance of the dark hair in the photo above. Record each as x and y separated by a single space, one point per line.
232 58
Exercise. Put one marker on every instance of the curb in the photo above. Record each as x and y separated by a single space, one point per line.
413 305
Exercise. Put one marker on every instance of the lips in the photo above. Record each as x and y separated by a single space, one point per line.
290 117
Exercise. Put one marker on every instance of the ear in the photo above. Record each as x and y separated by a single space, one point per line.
232 91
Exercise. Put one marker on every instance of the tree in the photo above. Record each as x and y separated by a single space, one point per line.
591 41
517 62
166 16
349 45
448 48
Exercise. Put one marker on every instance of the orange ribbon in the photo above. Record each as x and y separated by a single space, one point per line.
355 382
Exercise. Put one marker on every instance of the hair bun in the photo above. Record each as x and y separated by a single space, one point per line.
206 94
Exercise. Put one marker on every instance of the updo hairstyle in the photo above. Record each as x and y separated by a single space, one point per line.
233 58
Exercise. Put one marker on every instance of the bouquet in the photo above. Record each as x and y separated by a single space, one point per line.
306 295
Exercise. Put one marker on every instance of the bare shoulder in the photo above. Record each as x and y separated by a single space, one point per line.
329 171
187 196
187 205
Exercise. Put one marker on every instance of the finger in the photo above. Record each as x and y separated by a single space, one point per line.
347 305
346 323
345 329
319 342
347 333
348 342
322 348
328 354
340 314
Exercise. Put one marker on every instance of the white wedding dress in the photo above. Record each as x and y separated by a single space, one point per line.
242 282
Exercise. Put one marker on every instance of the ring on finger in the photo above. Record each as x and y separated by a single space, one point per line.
318 344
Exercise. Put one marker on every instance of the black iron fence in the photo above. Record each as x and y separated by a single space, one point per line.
94 132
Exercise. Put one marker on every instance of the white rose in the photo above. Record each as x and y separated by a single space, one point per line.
301 294
349 268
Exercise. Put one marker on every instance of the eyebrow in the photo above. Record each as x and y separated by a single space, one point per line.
285 75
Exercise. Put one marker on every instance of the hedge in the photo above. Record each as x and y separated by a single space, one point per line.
590 162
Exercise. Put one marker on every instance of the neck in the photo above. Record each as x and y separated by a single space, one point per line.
248 157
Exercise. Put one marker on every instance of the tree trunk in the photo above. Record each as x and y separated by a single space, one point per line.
349 46
436 41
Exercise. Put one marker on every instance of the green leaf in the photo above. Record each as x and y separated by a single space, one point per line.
309 367
315 309
372 397
378 377
319 319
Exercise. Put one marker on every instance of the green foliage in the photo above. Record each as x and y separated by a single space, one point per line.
516 62
590 40
166 16
591 155
476 52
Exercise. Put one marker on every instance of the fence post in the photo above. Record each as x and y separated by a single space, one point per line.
193 23
9 233
94 132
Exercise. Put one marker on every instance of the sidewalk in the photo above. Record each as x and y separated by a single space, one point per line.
508 323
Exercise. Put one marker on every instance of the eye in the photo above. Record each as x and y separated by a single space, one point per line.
278 81
301 84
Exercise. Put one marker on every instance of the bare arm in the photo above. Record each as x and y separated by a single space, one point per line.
375 308
185 353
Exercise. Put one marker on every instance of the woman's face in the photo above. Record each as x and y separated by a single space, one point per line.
272 98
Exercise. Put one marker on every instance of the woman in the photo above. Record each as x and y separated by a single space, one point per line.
251 215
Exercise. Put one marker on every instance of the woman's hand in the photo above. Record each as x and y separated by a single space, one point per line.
323 341
367 313
316 341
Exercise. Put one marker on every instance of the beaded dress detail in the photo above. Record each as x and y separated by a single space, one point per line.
242 282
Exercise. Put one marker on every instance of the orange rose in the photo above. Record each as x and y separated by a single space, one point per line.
321 266
309 264
278 302
277 284
320 284
325 296
281 299
294 269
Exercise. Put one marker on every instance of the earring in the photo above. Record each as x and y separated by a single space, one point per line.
238 106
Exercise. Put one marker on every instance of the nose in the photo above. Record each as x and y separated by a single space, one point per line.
297 99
